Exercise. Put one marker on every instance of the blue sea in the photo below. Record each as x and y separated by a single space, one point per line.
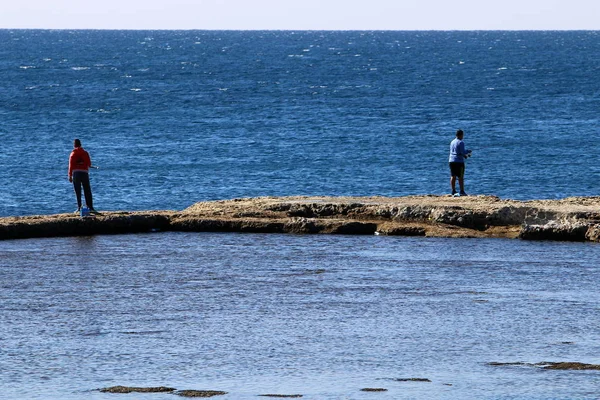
175 117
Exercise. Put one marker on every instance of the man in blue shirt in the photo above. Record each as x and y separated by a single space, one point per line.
458 154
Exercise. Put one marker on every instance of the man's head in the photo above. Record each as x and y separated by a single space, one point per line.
460 134
76 143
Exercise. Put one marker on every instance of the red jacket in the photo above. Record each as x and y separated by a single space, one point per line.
79 160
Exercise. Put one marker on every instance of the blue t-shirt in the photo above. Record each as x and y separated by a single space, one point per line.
457 151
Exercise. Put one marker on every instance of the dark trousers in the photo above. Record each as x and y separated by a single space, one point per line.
82 178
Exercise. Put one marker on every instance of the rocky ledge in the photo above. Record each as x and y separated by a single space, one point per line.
570 219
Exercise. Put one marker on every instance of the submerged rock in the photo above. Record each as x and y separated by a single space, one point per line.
412 380
565 365
200 393
373 390
572 366
128 389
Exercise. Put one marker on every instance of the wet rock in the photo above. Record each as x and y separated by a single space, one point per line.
127 389
373 390
191 224
354 228
561 231
200 393
403 231
572 366
551 365
505 364
412 380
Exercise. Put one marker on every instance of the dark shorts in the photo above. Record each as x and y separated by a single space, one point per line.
457 169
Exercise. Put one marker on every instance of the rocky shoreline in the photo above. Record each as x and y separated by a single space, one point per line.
570 219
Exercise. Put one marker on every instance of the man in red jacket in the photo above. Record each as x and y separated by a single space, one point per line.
79 167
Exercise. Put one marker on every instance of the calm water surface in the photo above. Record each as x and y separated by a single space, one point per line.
323 316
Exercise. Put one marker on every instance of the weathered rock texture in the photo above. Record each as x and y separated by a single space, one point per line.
572 219
128 389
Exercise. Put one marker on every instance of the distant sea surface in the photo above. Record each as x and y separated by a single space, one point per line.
175 117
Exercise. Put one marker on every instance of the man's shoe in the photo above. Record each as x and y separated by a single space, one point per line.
92 211
462 193
78 211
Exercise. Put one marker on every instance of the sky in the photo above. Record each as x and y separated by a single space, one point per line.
302 14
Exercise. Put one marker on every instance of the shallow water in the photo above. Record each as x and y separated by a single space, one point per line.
322 316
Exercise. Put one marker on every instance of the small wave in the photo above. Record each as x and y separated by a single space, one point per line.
27 66
136 90
502 68
79 68
94 333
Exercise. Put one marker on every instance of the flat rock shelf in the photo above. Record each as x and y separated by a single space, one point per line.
570 219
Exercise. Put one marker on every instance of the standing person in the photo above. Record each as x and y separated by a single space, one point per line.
79 166
458 154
